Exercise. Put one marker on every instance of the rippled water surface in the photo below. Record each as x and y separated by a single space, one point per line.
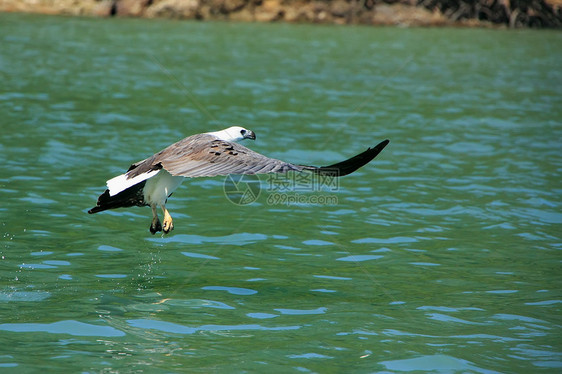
443 255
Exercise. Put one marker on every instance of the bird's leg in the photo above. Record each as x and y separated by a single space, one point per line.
155 226
168 224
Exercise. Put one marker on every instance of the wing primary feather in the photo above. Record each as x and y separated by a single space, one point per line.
350 165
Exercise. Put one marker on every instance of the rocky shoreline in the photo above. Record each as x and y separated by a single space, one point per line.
480 13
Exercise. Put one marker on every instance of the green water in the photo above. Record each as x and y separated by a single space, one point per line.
443 255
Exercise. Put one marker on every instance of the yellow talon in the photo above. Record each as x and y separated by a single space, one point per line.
168 223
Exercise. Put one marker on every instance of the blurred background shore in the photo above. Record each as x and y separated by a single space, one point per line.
480 13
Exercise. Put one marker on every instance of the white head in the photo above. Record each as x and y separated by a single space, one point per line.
234 134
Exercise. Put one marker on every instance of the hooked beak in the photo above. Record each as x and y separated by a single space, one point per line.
250 135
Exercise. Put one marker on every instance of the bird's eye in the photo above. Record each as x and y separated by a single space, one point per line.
243 132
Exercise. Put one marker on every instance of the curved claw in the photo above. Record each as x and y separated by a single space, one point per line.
168 226
168 223
155 226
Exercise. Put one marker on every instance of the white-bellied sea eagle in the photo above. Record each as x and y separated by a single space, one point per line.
151 181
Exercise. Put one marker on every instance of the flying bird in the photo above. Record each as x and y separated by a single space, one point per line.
151 181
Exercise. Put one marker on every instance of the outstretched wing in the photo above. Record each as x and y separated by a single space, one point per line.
205 156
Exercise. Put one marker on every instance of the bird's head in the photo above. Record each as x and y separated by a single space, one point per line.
234 134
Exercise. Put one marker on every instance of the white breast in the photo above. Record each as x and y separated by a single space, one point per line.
159 187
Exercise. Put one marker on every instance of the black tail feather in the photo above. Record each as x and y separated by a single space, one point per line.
132 196
350 165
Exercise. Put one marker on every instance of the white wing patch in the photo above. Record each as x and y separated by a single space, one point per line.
121 182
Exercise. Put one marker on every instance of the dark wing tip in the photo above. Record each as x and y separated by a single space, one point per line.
94 210
132 196
350 165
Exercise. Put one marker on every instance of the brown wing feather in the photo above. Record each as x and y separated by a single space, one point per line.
204 155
